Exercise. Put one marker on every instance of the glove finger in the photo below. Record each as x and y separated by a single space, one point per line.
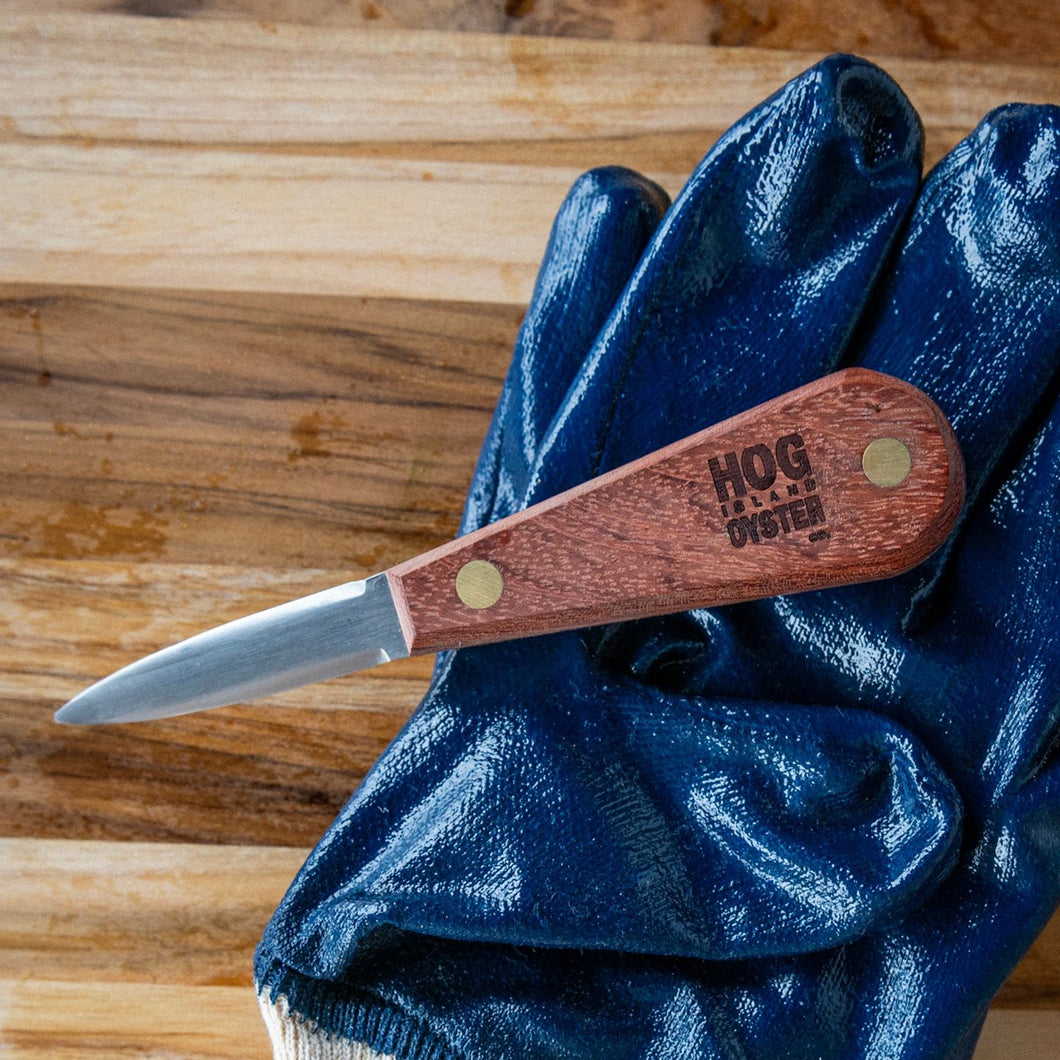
598 236
1005 601
755 278
971 310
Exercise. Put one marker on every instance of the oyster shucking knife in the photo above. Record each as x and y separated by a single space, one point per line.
853 477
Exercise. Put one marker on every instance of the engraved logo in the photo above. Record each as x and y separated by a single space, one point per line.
757 502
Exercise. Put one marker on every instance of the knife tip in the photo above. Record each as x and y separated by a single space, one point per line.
67 714
83 709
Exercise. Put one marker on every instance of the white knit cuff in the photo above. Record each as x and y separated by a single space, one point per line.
295 1038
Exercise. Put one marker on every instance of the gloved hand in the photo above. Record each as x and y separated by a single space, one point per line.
818 826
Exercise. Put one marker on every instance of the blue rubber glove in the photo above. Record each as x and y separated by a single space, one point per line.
818 826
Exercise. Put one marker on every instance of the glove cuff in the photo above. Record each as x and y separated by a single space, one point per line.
293 1038
376 1032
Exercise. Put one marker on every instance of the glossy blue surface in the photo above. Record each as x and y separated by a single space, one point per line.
824 825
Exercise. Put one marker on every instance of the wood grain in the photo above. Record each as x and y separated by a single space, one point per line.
210 427
44 1020
113 949
1022 31
175 460
252 221
156 81
126 156
773 500
166 913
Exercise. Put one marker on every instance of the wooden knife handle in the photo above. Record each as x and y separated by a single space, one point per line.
854 477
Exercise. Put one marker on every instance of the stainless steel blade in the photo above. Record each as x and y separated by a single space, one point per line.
338 631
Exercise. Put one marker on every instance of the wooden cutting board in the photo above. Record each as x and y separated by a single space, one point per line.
260 285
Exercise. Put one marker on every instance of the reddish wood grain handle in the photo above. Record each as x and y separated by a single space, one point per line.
854 477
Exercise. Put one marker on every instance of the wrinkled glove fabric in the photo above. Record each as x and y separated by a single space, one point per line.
824 825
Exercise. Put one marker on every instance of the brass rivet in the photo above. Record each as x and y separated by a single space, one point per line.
886 462
479 584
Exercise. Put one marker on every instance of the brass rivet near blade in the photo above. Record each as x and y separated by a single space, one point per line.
479 584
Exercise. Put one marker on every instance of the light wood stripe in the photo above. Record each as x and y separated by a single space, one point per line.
46 1020
88 105
118 78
